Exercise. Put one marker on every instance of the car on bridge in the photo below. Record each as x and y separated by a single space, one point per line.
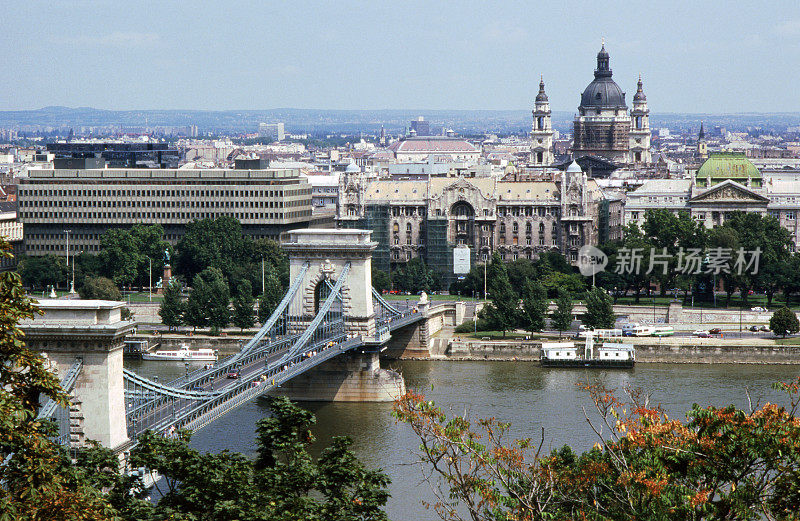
234 374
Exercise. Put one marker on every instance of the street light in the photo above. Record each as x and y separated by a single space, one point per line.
72 287
150 282
67 232
262 274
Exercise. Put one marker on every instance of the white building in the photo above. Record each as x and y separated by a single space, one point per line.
271 130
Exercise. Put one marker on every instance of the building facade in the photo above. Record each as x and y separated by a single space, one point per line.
519 219
725 183
419 149
90 202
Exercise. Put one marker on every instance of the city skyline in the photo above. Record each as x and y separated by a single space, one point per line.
354 56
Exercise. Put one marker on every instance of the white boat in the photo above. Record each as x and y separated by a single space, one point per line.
606 355
183 354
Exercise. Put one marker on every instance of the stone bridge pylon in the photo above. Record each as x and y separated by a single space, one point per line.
355 375
327 252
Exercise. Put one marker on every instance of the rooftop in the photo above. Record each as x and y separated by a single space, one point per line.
728 165
433 144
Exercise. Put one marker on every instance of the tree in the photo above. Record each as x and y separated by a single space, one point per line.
380 280
562 316
534 306
243 315
99 288
502 313
214 243
283 483
42 272
172 307
120 255
209 301
599 310
415 276
721 463
784 322
38 480
270 298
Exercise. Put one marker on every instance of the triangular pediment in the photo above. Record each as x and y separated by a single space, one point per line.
729 192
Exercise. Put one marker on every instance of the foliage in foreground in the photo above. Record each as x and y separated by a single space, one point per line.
283 483
721 463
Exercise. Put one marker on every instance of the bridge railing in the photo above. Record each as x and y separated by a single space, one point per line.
194 405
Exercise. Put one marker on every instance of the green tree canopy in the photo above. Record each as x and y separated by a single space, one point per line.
100 288
534 306
784 322
599 310
209 301
502 313
562 315
270 298
283 483
127 255
243 314
42 272
172 307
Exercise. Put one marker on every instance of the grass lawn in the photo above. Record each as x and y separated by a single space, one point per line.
414 298
790 341
141 297
495 335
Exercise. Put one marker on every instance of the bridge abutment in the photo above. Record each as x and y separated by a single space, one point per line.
350 377
93 331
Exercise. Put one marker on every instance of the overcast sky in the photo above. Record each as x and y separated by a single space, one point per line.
694 56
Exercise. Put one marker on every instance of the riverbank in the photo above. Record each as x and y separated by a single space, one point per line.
648 350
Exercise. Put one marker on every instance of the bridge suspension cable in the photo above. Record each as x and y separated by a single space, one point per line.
67 383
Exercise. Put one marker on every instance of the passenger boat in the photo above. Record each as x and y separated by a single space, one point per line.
606 355
183 354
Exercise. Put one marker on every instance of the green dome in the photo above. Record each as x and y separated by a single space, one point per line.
721 166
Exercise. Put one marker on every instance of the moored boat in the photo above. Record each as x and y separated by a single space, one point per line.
183 354
606 355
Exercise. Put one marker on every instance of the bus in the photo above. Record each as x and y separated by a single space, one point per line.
663 331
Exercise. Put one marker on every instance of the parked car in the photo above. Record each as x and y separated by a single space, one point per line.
715 331
701 333
753 328
758 309
766 329
234 374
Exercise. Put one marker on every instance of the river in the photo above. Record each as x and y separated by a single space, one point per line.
520 392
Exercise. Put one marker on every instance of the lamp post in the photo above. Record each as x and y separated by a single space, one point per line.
72 286
67 232
262 274
150 279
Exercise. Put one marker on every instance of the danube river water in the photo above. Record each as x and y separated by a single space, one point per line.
528 396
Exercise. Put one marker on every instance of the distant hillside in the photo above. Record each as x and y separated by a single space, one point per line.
317 120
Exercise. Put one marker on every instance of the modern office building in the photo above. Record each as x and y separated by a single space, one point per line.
90 202
272 130
419 127
118 154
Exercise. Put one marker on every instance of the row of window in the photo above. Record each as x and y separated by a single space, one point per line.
94 192
140 216
160 204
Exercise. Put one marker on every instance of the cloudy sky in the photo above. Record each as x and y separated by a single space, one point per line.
694 56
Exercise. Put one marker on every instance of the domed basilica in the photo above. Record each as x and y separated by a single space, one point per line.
603 127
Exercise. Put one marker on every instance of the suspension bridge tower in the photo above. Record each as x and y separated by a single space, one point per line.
356 375
84 340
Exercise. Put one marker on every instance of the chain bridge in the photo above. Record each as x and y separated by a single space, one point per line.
322 341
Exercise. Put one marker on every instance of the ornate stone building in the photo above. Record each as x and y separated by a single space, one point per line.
603 127
519 219
726 182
